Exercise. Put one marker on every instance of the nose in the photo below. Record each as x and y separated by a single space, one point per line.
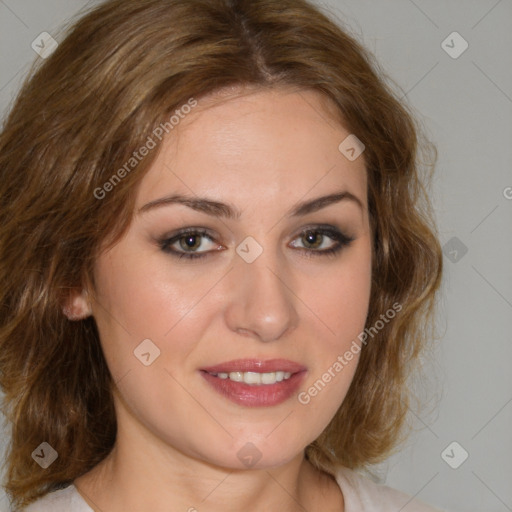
262 303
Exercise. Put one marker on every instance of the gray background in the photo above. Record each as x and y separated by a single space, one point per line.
465 104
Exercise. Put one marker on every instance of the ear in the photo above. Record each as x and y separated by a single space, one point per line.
77 305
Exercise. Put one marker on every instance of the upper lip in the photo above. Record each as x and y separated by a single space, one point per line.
256 365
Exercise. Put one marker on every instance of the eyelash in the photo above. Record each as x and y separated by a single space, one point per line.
330 231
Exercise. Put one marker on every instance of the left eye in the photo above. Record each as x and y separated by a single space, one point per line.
314 239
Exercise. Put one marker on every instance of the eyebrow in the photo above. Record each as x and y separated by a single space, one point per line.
218 209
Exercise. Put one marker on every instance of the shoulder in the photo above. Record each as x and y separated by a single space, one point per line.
63 500
361 493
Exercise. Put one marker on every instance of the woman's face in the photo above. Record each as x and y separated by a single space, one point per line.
277 292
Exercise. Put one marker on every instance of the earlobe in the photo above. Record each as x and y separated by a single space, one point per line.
77 306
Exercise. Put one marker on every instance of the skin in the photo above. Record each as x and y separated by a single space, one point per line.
262 151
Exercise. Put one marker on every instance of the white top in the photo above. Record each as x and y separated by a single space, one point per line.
359 492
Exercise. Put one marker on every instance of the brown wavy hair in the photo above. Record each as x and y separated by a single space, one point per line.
121 70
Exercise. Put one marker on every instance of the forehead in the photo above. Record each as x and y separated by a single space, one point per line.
255 146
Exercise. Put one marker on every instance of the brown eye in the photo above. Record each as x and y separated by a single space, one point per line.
190 242
186 243
316 242
313 238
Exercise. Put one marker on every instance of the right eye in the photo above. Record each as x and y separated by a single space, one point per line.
186 244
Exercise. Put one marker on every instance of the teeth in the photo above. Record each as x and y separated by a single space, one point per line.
254 378
236 376
268 378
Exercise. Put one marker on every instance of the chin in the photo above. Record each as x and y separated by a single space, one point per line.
258 453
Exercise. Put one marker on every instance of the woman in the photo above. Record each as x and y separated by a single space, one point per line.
218 264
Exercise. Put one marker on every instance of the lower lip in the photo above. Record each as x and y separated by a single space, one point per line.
262 395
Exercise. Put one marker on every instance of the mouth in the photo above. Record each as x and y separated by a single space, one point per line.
252 382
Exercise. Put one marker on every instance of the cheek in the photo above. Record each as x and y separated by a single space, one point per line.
341 297
340 300
132 305
140 296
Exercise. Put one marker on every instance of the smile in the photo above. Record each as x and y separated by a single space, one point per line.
255 383
254 378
